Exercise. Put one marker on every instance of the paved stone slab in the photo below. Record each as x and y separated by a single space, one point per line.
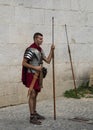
17 117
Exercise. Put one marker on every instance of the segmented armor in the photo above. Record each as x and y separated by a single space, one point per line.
35 57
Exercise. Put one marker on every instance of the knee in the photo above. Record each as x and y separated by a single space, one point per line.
33 94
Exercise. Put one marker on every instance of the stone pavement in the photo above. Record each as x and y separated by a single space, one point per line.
17 117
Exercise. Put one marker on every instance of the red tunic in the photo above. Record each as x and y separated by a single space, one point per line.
27 77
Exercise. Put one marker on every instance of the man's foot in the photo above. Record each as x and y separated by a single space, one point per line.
40 117
34 120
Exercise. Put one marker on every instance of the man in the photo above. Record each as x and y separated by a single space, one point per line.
33 57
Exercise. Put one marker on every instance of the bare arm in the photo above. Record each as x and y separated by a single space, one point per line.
48 59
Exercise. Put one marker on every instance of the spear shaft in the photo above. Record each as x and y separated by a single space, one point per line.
53 67
71 61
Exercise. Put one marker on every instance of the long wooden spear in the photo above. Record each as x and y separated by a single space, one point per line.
53 66
70 60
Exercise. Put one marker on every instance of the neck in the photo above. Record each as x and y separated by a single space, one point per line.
36 43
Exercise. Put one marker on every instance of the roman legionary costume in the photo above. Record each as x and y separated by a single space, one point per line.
35 55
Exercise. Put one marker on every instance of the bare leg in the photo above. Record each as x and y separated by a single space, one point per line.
35 101
32 102
32 107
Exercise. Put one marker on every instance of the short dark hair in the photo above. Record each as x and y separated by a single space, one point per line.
36 35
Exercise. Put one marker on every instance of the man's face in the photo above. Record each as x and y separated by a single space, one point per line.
39 40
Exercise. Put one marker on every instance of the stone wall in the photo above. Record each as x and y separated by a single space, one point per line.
20 19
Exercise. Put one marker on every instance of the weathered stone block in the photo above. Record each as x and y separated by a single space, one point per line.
20 19
75 5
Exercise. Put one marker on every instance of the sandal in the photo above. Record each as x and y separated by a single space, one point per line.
34 120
